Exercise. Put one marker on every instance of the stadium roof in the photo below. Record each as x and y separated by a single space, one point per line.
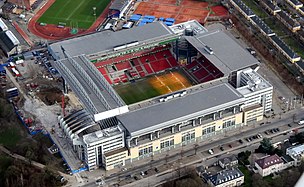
99 42
91 87
228 56
160 115
119 5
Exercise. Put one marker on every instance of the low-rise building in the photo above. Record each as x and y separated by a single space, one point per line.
228 161
230 177
296 153
269 164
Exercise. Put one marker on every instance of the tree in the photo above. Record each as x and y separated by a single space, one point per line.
257 181
30 155
266 146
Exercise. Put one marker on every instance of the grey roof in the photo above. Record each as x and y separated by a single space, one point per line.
107 40
244 8
228 159
160 115
225 176
296 2
300 64
88 84
292 22
228 55
264 27
284 47
119 5
271 6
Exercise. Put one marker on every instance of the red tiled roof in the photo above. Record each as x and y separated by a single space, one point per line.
269 161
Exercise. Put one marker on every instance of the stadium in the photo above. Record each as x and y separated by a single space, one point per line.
152 88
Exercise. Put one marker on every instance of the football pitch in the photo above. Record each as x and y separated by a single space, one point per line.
152 86
74 13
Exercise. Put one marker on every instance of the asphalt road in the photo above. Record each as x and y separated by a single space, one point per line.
286 119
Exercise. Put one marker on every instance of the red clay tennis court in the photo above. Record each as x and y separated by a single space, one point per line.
187 10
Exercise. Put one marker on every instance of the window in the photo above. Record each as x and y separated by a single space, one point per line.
166 144
145 151
188 136
227 124
208 130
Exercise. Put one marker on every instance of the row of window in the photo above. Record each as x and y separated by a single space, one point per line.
227 124
145 151
166 144
189 136
208 130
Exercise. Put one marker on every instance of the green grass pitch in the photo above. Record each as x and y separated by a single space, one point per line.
135 92
75 13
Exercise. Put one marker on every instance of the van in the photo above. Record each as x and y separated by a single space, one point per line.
301 122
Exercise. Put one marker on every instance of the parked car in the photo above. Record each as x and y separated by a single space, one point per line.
210 151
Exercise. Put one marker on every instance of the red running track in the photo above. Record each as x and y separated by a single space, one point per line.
52 32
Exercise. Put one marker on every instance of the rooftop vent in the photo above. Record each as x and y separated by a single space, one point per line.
209 50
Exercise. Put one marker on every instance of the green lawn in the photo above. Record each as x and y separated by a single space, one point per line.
255 8
75 13
247 176
295 45
135 92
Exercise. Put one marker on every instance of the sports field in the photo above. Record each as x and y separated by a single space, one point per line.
152 86
74 13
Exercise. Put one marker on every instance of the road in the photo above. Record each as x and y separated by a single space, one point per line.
240 134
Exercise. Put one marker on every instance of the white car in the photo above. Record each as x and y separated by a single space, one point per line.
210 151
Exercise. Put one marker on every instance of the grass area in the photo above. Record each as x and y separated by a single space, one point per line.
9 137
255 8
247 176
276 28
151 87
134 92
75 13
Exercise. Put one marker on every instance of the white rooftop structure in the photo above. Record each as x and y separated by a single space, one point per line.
254 88
12 37
295 151
3 25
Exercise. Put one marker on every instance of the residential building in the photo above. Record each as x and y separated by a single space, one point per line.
229 177
228 162
269 164
297 153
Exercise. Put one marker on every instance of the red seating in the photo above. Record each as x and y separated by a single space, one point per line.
102 63
160 65
142 74
167 53
117 80
148 68
192 64
208 78
200 74
136 61
107 78
173 62
102 70
123 65
139 68
150 58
